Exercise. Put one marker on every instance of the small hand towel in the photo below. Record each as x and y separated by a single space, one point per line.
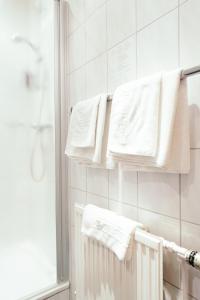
88 132
113 231
83 121
172 149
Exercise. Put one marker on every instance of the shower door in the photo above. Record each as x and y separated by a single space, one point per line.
30 233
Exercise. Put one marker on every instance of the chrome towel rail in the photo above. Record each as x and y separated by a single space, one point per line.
185 73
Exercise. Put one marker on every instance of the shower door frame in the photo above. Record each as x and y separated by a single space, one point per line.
61 116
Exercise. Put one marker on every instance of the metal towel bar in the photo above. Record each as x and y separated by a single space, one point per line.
185 73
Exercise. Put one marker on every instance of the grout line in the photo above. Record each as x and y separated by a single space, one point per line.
86 185
77 189
158 213
106 29
138 195
179 42
172 284
180 204
158 18
136 17
95 10
137 173
189 222
181 4
127 37
180 207
85 18
139 207
94 194
179 289
180 233
87 62
124 203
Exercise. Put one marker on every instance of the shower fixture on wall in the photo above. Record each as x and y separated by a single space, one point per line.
36 81
21 39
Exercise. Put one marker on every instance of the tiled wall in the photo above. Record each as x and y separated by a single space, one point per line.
111 42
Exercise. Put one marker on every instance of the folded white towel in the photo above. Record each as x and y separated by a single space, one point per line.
135 117
88 132
82 128
171 152
113 231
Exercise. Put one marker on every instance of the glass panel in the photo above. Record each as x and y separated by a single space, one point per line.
27 158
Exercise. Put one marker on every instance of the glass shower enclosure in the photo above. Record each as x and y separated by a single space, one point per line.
31 246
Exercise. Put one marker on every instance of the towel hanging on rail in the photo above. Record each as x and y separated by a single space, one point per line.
88 132
113 231
161 135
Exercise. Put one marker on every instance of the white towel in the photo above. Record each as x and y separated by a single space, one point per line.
113 231
82 128
135 117
88 132
172 133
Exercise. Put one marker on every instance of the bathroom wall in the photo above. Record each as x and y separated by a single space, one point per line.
111 42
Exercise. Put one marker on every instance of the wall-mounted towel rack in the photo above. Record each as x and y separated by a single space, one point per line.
185 73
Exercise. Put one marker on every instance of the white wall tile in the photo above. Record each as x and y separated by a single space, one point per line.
190 232
92 5
122 63
129 187
77 176
194 103
96 76
159 193
124 209
190 190
158 45
121 20
97 200
150 10
111 25
75 196
76 14
77 86
189 33
171 292
97 181
168 228
96 34
163 226
77 50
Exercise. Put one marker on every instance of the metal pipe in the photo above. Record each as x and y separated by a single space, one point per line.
185 73
190 71
190 256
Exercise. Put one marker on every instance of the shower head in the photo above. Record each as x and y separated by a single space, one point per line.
20 39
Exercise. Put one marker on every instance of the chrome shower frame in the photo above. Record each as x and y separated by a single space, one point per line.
60 140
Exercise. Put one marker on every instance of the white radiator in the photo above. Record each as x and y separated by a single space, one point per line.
100 275
149 249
